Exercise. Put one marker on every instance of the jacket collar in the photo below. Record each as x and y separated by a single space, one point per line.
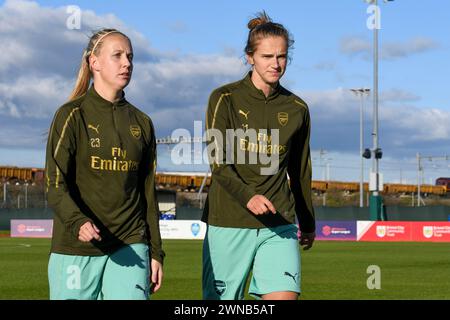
101 103
258 93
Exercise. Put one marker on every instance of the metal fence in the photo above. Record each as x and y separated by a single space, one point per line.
22 195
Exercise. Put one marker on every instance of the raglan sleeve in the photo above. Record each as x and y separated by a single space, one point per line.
225 174
152 212
59 162
300 173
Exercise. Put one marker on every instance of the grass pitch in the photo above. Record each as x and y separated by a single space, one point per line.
330 270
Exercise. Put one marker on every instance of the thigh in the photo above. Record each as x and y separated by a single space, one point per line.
127 274
277 262
74 277
227 258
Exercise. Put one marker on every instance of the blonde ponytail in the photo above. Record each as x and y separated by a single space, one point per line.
83 79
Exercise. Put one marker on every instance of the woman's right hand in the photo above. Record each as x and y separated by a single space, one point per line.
259 204
89 231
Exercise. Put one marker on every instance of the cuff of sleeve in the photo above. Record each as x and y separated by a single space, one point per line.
158 255
307 225
77 225
245 196
307 229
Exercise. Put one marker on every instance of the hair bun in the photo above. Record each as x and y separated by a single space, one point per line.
261 18
255 22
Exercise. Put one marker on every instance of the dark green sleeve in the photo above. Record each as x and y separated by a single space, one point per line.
152 218
225 174
300 172
60 153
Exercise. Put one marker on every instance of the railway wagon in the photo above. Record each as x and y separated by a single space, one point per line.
187 180
22 174
411 188
444 182
347 186
319 185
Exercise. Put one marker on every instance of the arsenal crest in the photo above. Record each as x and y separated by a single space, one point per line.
135 131
283 118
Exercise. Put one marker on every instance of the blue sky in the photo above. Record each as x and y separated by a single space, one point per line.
184 49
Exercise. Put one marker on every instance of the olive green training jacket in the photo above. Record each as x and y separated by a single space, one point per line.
100 167
240 105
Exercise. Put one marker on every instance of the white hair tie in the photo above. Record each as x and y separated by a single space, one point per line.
100 39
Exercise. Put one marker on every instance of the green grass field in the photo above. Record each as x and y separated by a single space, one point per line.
331 270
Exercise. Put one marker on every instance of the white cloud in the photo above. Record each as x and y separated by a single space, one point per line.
42 57
354 45
16 134
412 46
182 81
403 128
398 95
33 97
419 125
192 66
388 50
36 39
175 92
327 104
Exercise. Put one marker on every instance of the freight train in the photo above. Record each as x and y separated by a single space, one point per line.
21 174
194 181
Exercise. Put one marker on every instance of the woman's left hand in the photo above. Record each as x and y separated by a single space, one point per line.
307 240
157 275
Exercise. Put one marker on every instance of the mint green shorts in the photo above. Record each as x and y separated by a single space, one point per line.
229 254
122 275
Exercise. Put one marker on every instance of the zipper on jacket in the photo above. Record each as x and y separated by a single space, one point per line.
266 118
114 112
265 113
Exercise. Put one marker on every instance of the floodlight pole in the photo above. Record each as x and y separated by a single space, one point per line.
361 92
419 170
375 201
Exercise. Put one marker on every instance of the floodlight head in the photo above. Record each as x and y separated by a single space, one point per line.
378 153
366 154
360 90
